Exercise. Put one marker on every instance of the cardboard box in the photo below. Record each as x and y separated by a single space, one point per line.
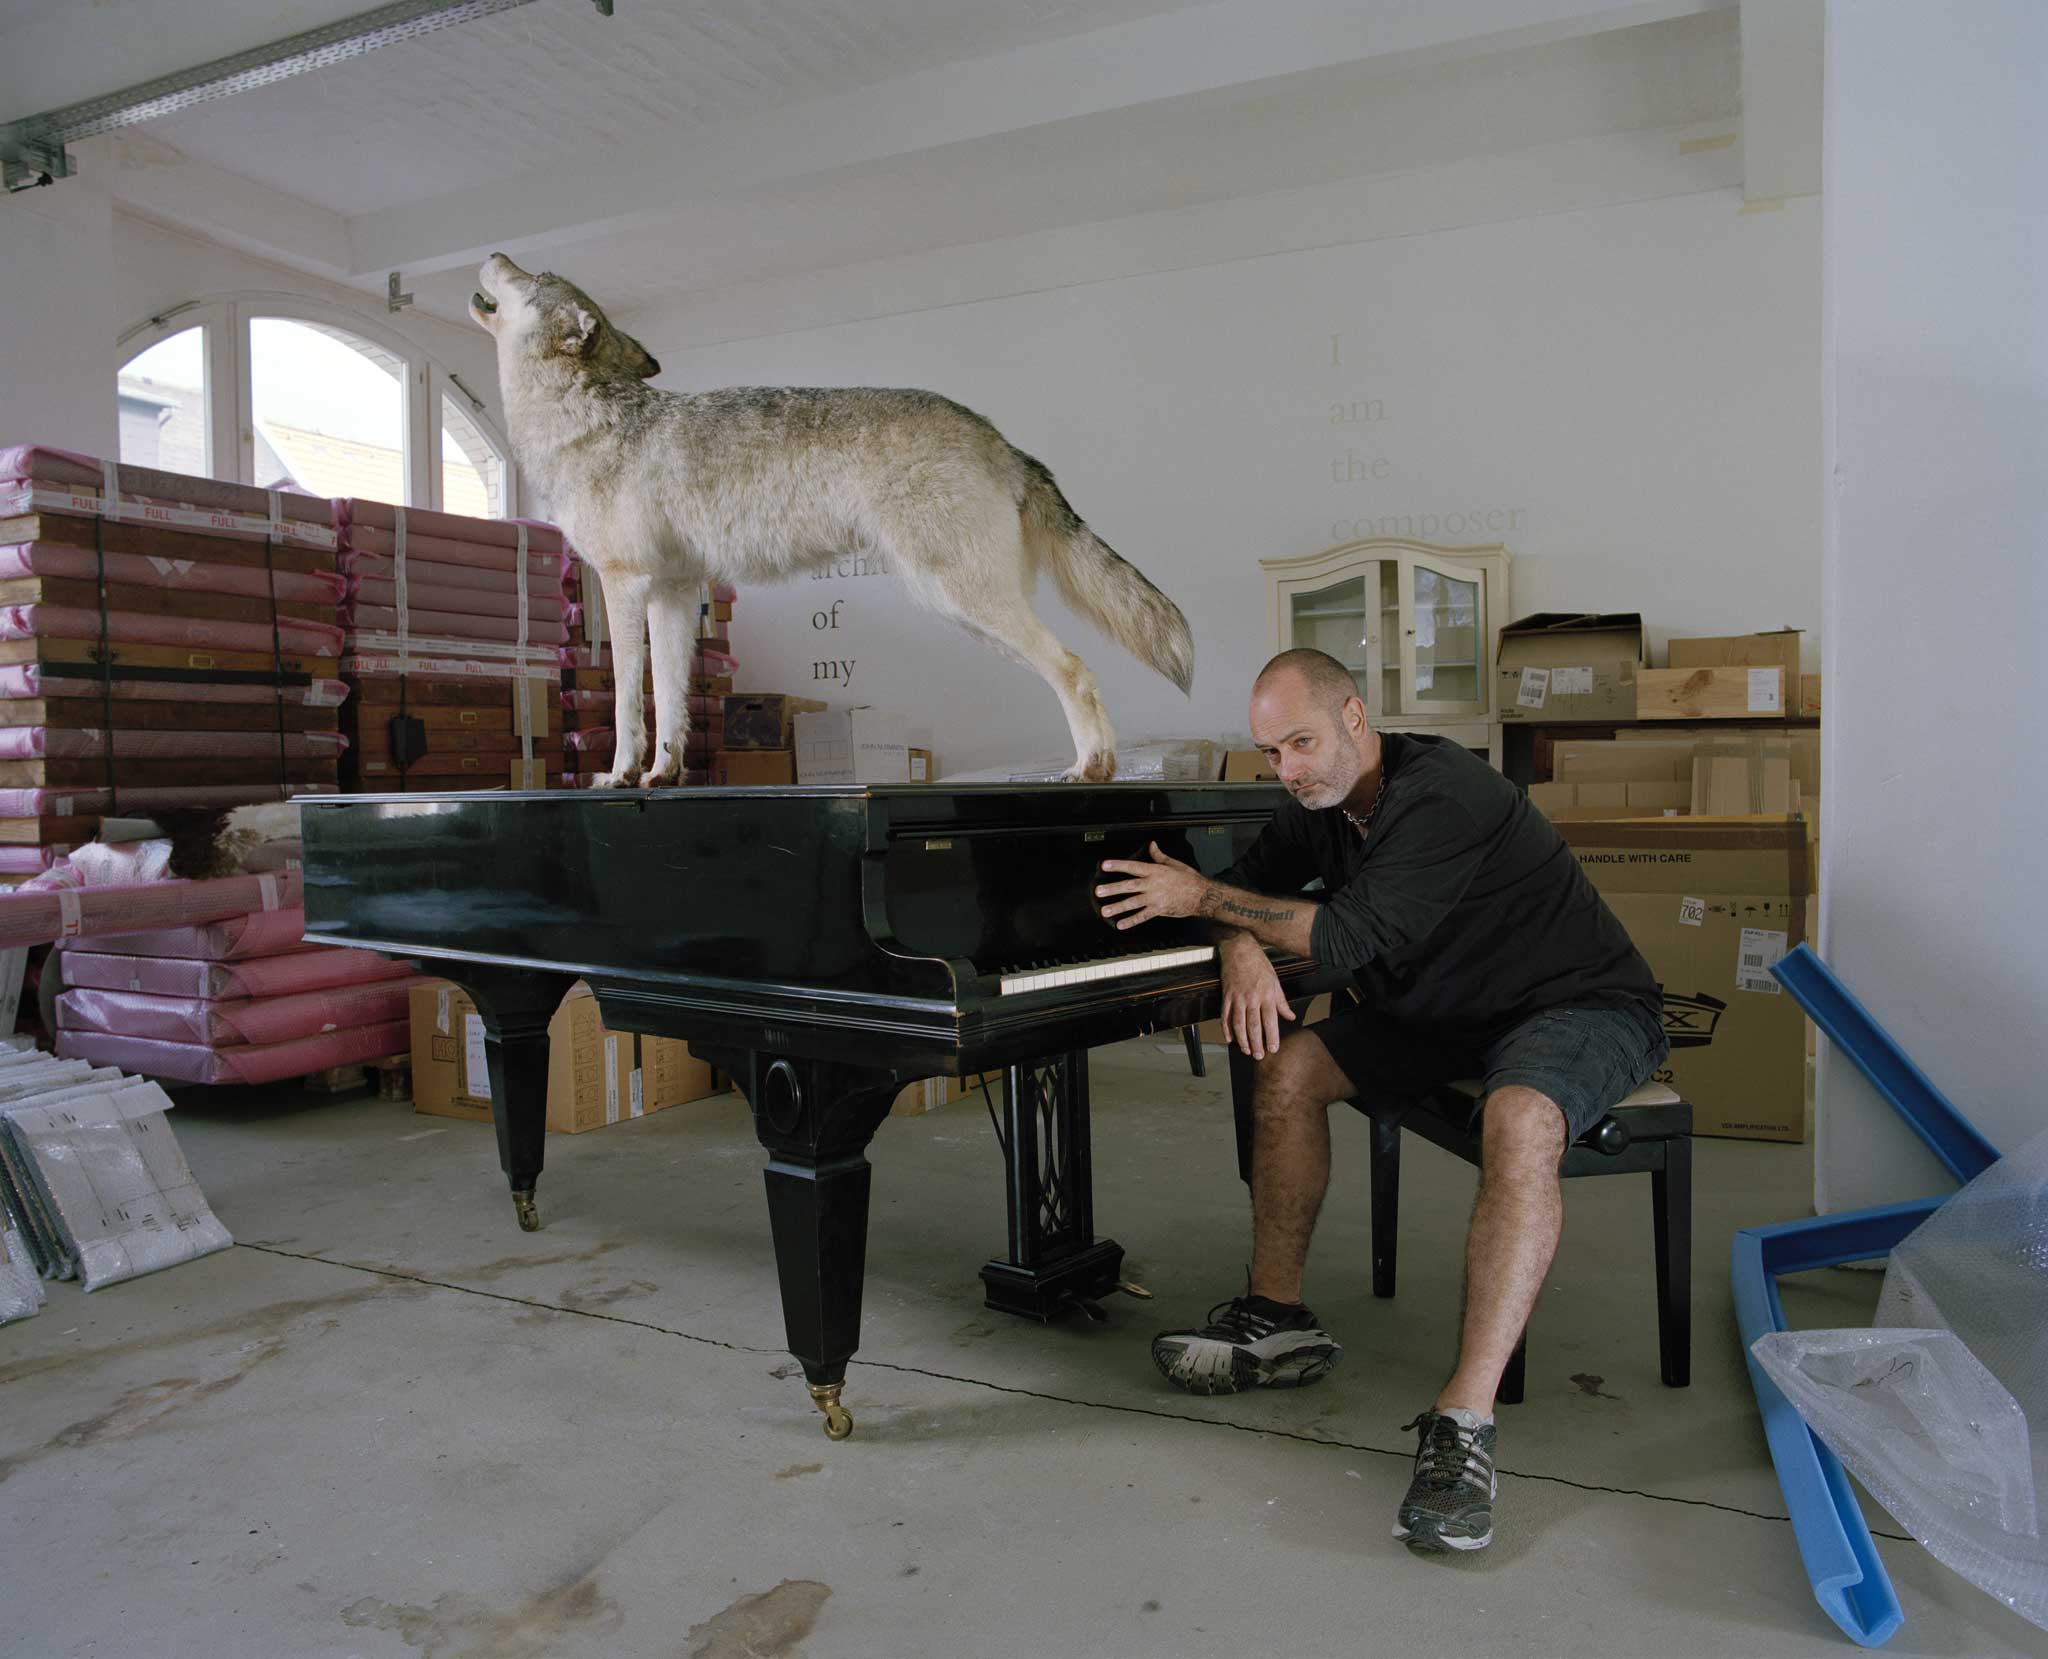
1604 760
1710 693
1248 766
1711 904
1566 666
765 720
856 745
924 766
933 1092
1809 694
595 1076
749 768
1777 649
1742 773
528 774
1577 802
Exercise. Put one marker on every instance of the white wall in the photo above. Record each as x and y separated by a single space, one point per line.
1937 374
1625 395
56 273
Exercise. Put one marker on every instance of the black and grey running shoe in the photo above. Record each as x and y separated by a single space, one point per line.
1249 1342
1450 1501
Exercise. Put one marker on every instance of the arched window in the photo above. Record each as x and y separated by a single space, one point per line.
285 393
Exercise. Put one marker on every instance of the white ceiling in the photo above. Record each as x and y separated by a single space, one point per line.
553 85
691 145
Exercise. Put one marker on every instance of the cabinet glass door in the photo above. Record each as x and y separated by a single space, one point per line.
1351 618
1443 638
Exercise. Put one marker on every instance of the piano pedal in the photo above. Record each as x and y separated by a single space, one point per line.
523 1206
1130 1289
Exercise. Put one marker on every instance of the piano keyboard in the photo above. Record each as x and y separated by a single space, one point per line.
1112 967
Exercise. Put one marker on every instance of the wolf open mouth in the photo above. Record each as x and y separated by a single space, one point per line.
483 303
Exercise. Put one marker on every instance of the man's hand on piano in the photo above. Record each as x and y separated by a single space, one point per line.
1164 887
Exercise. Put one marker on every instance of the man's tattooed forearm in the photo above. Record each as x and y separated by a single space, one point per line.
1214 903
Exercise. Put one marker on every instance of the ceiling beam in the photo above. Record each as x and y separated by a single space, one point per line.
1781 95
1216 50
154 180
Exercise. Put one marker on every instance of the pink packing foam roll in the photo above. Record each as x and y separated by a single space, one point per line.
431 573
311 968
68 743
426 597
34 918
139 628
228 938
41 464
352 512
41 558
17 861
241 1063
64 680
66 803
224 1023
383 619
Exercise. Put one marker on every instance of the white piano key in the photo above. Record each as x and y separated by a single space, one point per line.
1115 967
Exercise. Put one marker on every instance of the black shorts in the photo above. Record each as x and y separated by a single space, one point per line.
1585 1059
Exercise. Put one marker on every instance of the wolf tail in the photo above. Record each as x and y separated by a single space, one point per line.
1101 584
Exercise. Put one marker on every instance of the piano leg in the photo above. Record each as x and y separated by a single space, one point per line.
515 1006
816 1119
1056 1263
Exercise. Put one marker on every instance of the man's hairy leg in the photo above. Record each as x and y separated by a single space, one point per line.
1291 1100
1516 1221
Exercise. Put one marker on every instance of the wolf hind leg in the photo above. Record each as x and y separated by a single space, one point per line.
625 606
986 595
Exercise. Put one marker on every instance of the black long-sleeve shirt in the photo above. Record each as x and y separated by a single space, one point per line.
1462 910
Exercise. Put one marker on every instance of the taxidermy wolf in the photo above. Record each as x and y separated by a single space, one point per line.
659 490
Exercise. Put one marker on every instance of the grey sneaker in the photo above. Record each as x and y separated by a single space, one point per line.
1249 1342
1450 1501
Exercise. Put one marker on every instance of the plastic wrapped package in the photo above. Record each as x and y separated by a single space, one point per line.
29 679
28 469
114 1186
293 635
1941 1408
313 968
225 1023
35 918
21 1287
36 558
383 619
357 515
66 801
244 1062
231 938
71 742
470 565
424 596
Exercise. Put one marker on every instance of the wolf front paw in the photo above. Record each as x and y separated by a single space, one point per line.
624 777
668 771
1098 766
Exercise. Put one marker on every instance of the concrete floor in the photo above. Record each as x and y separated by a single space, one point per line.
389 1424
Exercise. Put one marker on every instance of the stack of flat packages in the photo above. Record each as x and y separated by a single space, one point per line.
455 626
165 641
238 1001
93 1185
590 694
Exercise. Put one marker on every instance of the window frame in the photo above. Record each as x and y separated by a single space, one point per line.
231 426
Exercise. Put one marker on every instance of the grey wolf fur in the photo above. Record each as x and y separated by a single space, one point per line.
659 490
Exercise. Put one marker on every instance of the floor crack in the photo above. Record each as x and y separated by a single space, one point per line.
1025 1393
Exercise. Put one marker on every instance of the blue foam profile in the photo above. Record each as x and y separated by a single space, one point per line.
1842 1564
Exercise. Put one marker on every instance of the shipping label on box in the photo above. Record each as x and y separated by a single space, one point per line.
857 745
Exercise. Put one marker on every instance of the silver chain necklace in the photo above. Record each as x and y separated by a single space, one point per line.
1361 824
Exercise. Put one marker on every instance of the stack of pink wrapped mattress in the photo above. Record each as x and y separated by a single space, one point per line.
453 628
165 641
237 1001
590 696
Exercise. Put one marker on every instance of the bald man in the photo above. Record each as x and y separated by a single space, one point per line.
1479 950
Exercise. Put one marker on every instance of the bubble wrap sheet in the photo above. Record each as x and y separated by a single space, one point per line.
1941 1407
109 1195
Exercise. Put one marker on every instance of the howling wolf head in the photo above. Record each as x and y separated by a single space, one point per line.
544 320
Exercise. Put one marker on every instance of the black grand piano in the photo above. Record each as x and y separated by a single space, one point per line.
823 946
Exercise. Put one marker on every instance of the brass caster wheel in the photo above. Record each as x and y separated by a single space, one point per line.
523 1206
838 1420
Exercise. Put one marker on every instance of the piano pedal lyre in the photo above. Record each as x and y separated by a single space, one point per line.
838 1420
523 1206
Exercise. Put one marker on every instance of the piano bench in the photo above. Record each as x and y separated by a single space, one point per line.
1649 1133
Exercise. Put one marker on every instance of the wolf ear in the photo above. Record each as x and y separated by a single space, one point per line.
580 336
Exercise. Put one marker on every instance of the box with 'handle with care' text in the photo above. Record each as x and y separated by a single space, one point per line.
1712 903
